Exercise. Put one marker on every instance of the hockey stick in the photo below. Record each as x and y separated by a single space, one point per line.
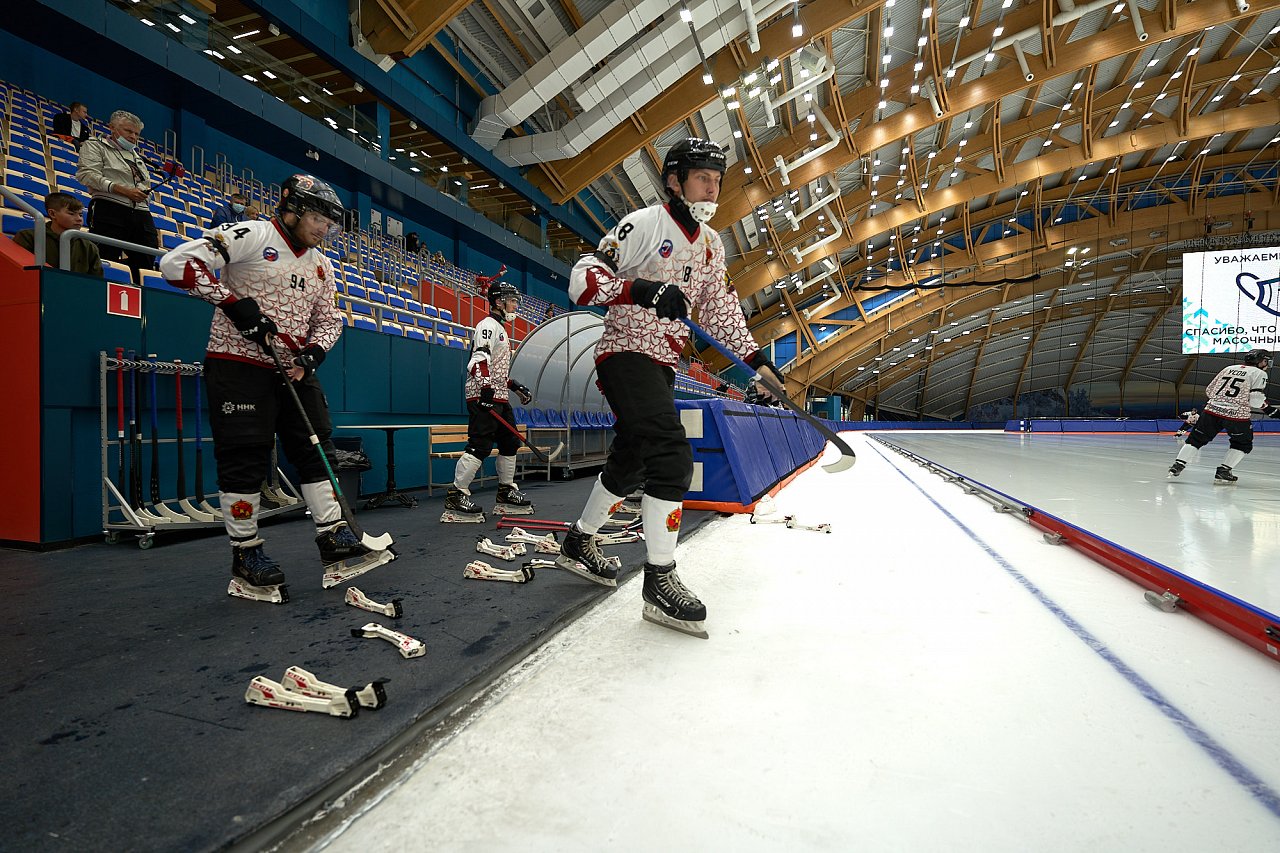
373 543
201 503
538 454
120 419
847 456
135 438
183 498
156 503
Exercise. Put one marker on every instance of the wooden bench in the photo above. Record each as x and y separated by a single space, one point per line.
448 441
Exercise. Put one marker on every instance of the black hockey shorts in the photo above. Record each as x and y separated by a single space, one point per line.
484 431
248 407
649 446
1240 433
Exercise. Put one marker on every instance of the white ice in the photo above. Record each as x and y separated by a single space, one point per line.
902 683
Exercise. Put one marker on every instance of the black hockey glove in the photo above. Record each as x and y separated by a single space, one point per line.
311 357
525 395
666 300
486 398
249 319
761 364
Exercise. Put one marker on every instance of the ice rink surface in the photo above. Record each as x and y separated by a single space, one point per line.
931 675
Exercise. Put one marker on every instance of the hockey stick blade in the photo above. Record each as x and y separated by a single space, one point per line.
847 456
538 454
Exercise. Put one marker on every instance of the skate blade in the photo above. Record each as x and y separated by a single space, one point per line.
336 573
271 594
657 617
509 509
583 572
1224 482
461 518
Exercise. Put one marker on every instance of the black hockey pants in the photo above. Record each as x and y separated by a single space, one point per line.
649 446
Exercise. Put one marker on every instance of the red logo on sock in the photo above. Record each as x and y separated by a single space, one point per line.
615 507
242 510
673 519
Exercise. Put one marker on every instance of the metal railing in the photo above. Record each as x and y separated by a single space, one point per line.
38 217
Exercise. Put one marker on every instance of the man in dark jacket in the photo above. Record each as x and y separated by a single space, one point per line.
73 126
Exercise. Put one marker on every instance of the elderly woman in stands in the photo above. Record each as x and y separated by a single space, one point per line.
114 171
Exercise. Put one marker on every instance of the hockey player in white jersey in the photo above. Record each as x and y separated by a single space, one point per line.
486 388
276 289
1189 419
650 270
1235 393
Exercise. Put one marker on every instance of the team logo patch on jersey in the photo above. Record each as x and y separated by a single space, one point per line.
320 273
673 519
270 254
665 248
242 510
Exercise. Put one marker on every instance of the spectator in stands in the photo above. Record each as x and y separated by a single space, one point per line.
113 169
252 213
231 211
73 126
412 243
65 214
551 312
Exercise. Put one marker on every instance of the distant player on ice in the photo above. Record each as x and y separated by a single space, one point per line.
654 266
1189 419
1236 393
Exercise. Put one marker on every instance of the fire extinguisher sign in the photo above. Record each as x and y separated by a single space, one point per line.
124 300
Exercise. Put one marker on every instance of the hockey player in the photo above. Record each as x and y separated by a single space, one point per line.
654 266
1189 419
1234 394
276 289
486 390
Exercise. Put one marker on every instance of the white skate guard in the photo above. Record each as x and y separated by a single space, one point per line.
344 570
408 646
278 594
263 691
298 680
356 598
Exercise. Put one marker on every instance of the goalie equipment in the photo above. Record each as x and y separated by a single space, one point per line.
408 646
272 694
541 544
356 598
485 545
482 571
298 680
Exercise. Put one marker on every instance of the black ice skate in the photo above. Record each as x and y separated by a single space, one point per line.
344 557
256 576
460 509
1176 468
511 501
581 555
668 603
1224 477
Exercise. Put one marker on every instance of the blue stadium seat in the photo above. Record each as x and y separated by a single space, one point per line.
416 334
362 322
116 272
356 290
26 183
457 343
593 418
12 223
538 419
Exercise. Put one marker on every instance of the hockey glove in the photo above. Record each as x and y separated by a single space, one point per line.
666 300
486 397
249 319
525 395
761 364
311 357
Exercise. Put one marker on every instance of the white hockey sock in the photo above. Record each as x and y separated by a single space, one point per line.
661 521
465 471
1187 453
325 510
598 509
1232 458
240 514
506 470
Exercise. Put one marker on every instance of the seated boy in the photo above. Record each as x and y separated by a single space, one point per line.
65 213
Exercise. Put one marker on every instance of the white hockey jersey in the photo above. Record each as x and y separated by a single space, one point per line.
294 289
1236 391
490 364
651 244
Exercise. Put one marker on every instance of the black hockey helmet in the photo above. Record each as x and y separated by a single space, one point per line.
300 193
1257 356
501 290
692 153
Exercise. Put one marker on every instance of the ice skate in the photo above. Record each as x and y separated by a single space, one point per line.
256 576
344 557
511 501
1176 468
668 603
1224 477
460 509
581 555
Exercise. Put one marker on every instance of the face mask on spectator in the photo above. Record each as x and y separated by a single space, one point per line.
237 207
125 144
